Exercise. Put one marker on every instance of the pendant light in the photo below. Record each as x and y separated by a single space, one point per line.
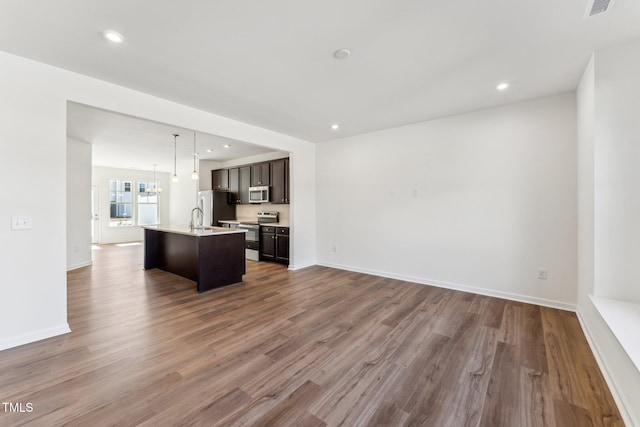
194 174
175 144
148 189
156 186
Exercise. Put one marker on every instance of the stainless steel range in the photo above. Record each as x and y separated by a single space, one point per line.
252 238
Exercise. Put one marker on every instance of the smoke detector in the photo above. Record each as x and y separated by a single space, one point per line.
342 53
596 7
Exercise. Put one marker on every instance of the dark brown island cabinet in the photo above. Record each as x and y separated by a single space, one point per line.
211 257
238 179
274 244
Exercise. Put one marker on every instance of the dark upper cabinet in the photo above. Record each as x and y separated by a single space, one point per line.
274 174
239 185
219 179
245 178
260 174
234 186
280 181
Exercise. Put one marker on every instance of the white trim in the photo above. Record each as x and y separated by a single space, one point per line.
454 286
34 336
80 265
627 416
623 320
301 266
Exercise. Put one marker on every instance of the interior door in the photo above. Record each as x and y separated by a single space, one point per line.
95 218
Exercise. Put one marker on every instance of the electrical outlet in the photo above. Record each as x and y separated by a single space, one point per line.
542 273
333 248
414 192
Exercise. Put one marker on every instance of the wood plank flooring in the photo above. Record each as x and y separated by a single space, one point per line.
314 347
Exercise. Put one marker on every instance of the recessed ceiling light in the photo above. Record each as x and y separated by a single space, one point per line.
335 126
341 53
226 146
502 86
112 36
209 150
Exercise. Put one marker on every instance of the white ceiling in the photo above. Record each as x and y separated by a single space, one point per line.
128 142
270 63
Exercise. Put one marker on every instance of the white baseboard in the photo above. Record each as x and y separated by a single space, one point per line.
457 287
79 265
34 336
294 267
627 416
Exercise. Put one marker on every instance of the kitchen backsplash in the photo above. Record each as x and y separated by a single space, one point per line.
251 211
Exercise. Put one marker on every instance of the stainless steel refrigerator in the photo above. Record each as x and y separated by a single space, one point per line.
215 206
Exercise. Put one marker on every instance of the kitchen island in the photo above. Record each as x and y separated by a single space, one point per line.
211 257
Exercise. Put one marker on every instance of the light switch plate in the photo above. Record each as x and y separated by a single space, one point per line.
21 223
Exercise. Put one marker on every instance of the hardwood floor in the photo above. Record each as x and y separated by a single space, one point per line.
313 347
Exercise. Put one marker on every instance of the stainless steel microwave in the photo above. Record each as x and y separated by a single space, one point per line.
259 194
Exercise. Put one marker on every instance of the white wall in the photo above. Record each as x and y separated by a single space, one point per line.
496 199
33 114
183 196
302 209
585 98
101 177
78 204
33 262
617 172
609 207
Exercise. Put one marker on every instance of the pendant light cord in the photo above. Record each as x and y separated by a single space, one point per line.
175 157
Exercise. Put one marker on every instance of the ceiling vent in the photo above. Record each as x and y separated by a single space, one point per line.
596 7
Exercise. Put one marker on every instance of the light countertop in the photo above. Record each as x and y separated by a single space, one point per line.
281 223
229 221
197 232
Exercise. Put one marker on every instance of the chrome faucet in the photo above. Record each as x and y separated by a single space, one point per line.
199 218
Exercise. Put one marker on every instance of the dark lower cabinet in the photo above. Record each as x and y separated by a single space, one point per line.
274 244
282 245
267 243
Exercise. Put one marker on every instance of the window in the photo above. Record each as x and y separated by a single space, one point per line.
147 203
121 203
